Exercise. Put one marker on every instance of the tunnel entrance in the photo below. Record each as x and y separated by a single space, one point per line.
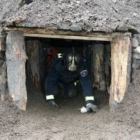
109 67
43 52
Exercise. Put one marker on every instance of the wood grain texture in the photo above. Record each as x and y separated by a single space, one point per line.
44 33
120 67
16 59
98 68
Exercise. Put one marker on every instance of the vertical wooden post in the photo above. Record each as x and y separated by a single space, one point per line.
33 61
107 64
2 39
2 43
120 68
15 59
3 76
98 68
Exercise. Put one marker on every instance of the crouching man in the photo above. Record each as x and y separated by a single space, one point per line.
70 68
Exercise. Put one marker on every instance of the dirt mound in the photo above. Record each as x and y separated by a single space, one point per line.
88 15
67 123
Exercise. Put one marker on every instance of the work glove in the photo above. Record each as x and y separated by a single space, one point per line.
52 104
90 107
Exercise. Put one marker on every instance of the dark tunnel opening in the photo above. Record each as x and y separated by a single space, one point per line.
97 55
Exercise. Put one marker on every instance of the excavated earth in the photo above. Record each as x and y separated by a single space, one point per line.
75 15
67 123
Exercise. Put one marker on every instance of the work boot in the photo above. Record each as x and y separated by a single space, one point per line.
52 104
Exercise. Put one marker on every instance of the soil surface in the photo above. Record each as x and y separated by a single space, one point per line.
67 123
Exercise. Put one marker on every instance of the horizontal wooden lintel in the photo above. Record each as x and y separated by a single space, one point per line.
56 34
90 38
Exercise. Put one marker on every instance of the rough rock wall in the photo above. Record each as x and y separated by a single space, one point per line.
8 8
77 15
136 51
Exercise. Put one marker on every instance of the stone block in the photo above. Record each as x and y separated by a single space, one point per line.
135 66
135 61
76 28
136 55
135 42
122 29
137 50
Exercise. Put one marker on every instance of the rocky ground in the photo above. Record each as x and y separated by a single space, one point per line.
67 123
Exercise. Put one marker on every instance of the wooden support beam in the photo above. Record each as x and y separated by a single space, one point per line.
98 68
32 48
2 43
3 77
15 60
43 33
107 65
2 39
90 38
120 68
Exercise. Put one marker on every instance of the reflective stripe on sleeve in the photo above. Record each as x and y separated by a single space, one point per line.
87 98
49 97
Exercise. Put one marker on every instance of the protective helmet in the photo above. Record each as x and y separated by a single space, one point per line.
72 60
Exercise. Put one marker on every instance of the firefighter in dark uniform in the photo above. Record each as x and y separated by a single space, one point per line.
67 70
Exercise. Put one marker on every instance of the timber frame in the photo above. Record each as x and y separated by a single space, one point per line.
120 54
45 33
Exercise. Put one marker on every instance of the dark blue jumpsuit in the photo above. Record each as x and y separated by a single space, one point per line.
59 73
